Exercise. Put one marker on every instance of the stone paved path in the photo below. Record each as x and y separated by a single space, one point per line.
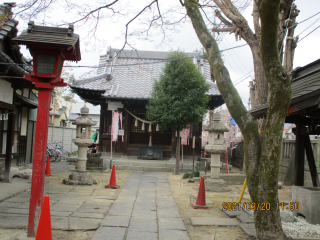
71 207
145 209
86 208
9 190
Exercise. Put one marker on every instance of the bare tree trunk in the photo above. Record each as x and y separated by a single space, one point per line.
176 170
261 158
291 43
252 97
261 83
268 223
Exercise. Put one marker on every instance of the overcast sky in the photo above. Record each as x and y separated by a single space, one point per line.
238 61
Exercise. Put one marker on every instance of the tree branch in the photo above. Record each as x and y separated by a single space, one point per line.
222 19
220 72
229 29
127 26
256 23
205 14
233 9
226 11
91 12
27 8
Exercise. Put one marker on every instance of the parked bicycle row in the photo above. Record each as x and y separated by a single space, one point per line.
56 152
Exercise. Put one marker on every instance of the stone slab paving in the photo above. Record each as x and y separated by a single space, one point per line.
212 221
249 229
17 186
233 214
77 212
245 218
145 209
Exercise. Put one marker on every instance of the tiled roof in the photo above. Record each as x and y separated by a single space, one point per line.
8 27
61 110
73 116
7 24
131 74
56 37
305 84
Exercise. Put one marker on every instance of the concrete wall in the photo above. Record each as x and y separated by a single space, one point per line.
64 135
24 121
33 112
6 92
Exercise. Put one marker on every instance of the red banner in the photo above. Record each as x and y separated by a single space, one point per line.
115 125
185 134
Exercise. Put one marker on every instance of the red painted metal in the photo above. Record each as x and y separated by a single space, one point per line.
39 159
226 163
291 109
49 81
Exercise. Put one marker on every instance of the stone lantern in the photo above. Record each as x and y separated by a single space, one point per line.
83 140
216 147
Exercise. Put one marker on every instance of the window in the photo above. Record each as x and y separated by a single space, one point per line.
4 130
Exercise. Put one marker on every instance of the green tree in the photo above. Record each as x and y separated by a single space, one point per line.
179 97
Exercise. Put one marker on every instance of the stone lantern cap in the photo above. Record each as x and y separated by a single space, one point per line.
84 120
216 125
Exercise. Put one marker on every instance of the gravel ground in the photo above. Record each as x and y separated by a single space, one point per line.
300 228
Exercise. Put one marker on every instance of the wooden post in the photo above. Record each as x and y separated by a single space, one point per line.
193 146
299 158
311 162
10 137
126 133
173 143
102 123
39 159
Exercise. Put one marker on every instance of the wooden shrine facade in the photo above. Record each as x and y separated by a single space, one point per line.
134 136
304 112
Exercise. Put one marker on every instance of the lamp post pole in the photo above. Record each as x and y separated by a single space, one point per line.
50 47
39 161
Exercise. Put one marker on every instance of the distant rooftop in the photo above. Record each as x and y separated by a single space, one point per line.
130 74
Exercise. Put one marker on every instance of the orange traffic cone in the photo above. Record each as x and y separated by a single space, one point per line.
201 199
44 227
113 180
48 169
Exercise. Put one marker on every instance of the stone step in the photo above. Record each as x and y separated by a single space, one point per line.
134 152
143 163
150 169
233 179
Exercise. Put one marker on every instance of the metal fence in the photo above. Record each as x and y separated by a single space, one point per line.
64 135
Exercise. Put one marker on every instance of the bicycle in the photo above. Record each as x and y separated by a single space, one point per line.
53 152
64 151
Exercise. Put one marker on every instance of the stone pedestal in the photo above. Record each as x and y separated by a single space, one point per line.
305 202
215 166
82 153
79 178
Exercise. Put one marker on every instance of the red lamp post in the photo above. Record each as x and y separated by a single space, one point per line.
49 47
